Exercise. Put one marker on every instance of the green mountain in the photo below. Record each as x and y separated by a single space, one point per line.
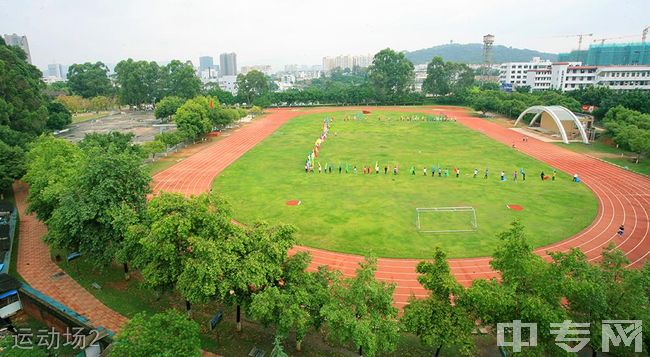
473 53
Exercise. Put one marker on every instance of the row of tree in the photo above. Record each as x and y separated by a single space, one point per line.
79 104
358 312
629 129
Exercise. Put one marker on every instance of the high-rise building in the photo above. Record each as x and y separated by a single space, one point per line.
206 63
55 70
19 41
346 61
610 54
228 64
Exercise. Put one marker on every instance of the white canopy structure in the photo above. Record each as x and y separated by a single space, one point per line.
559 115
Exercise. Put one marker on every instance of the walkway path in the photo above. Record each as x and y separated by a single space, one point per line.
36 267
623 197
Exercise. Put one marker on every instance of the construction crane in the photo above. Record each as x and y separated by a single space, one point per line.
645 34
602 40
580 36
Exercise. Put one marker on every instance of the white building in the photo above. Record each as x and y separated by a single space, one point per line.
516 73
228 83
420 75
568 76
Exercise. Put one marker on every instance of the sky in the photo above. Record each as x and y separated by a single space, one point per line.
279 32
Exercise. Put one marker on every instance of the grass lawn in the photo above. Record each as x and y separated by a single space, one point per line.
611 154
366 214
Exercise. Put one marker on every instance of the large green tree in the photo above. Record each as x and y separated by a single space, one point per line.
257 256
22 104
138 81
293 303
181 244
192 118
168 333
89 79
167 107
51 162
445 77
629 128
529 290
391 74
252 85
58 116
12 165
435 319
108 180
179 79
603 291
361 312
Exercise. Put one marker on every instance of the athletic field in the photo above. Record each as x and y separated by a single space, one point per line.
376 214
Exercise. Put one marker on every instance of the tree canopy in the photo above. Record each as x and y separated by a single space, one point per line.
391 75
252 85
89 79
168 333
445 77
629 129
361 312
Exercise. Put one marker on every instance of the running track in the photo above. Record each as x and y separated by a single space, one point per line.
623 197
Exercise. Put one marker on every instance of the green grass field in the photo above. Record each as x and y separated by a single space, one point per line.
375 214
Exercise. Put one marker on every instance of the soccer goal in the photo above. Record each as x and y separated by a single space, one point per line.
446 219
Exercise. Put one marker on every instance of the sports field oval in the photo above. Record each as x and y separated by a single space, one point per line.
376 213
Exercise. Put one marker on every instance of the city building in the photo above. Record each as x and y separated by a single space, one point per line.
346 62
420 75
264 68
608 54
19 41
515 73
56 70
228 64
228 83
206 63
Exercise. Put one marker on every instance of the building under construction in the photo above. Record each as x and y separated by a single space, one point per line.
606 54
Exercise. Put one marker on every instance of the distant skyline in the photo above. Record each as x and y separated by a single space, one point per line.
303 31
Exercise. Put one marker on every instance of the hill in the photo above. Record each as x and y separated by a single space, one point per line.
473 53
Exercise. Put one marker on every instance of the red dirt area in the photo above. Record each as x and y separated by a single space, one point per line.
516 207
293 202
366 112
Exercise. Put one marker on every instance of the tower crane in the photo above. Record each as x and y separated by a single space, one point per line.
580 36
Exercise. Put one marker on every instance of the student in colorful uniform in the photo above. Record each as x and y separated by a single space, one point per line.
503 176
424 171
486 173
475 173
554 174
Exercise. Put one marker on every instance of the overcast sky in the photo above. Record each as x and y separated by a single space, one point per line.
303 31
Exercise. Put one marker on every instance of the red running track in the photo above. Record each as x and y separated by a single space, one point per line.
623 197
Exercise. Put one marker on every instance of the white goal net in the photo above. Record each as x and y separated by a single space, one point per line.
446 219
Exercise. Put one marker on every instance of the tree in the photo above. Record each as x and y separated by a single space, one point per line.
179 79
100 103
139 82
164 334
438 79
22 104
89 79
257 257
182 244
51 162
604 291
293 303
528 291
434 319
361 312
107 181
74 103
629 128
221 95
391 74
167 107
58 116
12 165
252 85
192 117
